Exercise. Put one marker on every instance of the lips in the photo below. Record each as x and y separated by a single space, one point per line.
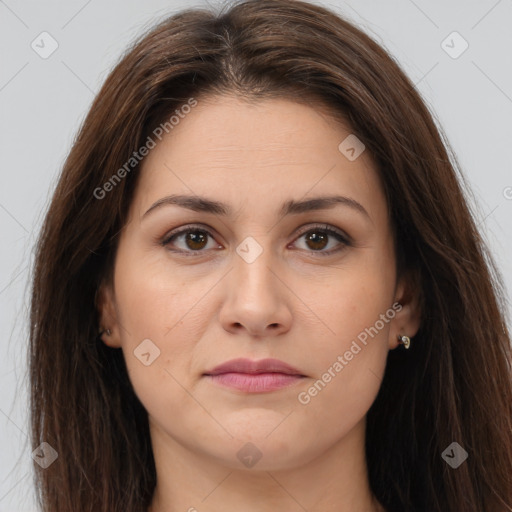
246 376
250 367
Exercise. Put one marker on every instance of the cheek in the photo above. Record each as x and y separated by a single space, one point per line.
347 370
350 354
157 303
149 309
153 298
351 303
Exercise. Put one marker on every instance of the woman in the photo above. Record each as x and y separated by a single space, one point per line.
259 286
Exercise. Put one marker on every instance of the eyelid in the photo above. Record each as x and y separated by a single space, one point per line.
325 227
343 237
184 229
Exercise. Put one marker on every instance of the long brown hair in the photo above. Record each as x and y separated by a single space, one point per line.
453 385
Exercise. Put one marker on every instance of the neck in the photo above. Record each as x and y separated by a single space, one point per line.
335 481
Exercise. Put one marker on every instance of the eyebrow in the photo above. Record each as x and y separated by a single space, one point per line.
290 207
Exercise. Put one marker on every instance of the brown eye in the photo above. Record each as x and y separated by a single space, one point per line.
319 237
196 239
192 240
316 240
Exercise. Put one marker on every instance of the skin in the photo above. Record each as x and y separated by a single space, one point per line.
291 303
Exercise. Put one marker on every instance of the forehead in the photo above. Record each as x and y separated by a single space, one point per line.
265 152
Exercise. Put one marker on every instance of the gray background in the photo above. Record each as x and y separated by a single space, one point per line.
43 101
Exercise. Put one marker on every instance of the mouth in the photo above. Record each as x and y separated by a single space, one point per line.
255 382
254 376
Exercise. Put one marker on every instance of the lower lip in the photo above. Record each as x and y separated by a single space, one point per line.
255 382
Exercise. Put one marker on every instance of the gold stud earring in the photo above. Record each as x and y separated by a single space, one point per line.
404 340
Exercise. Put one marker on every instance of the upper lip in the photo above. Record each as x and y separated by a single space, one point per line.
242 365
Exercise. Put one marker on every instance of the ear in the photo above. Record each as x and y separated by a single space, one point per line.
105 305
408 316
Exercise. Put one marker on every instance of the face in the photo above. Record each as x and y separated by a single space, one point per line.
263 272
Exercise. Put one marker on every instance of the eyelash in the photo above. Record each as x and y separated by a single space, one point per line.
323 228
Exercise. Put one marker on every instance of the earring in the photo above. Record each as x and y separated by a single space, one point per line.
404 340
107 331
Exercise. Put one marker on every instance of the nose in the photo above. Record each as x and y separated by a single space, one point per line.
257 298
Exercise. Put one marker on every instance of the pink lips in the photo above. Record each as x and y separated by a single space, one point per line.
254 376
